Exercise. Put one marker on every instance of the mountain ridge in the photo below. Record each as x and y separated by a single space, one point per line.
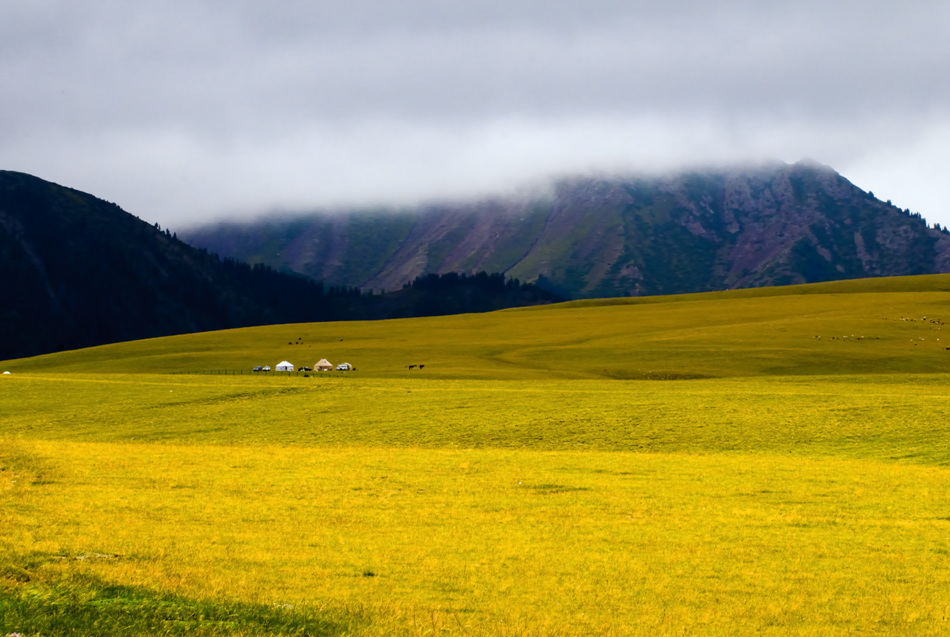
772 224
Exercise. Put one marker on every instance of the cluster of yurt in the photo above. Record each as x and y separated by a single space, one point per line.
322 366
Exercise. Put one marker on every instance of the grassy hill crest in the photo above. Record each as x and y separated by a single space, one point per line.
887 325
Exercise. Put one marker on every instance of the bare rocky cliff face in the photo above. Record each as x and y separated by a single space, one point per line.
776 224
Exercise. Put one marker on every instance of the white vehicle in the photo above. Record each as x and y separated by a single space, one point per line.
344 367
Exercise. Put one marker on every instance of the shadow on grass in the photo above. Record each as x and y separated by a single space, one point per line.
92 607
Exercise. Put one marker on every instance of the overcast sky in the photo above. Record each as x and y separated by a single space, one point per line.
185 110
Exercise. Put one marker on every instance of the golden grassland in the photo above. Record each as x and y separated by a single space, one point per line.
687 465
881 417
502 541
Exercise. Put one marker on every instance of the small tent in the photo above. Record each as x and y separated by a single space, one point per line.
284 366
323 366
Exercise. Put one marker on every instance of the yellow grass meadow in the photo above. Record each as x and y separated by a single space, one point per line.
499 541
690 474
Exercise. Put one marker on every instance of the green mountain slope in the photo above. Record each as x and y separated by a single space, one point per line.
605 237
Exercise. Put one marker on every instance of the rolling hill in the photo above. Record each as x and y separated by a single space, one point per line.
867 326
590 237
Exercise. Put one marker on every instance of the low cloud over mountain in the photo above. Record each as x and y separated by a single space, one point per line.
773 224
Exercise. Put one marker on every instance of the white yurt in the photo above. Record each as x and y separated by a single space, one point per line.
284 366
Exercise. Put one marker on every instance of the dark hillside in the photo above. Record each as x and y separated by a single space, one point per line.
78 271
454 293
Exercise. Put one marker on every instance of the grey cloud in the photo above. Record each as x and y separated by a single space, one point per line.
183 109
